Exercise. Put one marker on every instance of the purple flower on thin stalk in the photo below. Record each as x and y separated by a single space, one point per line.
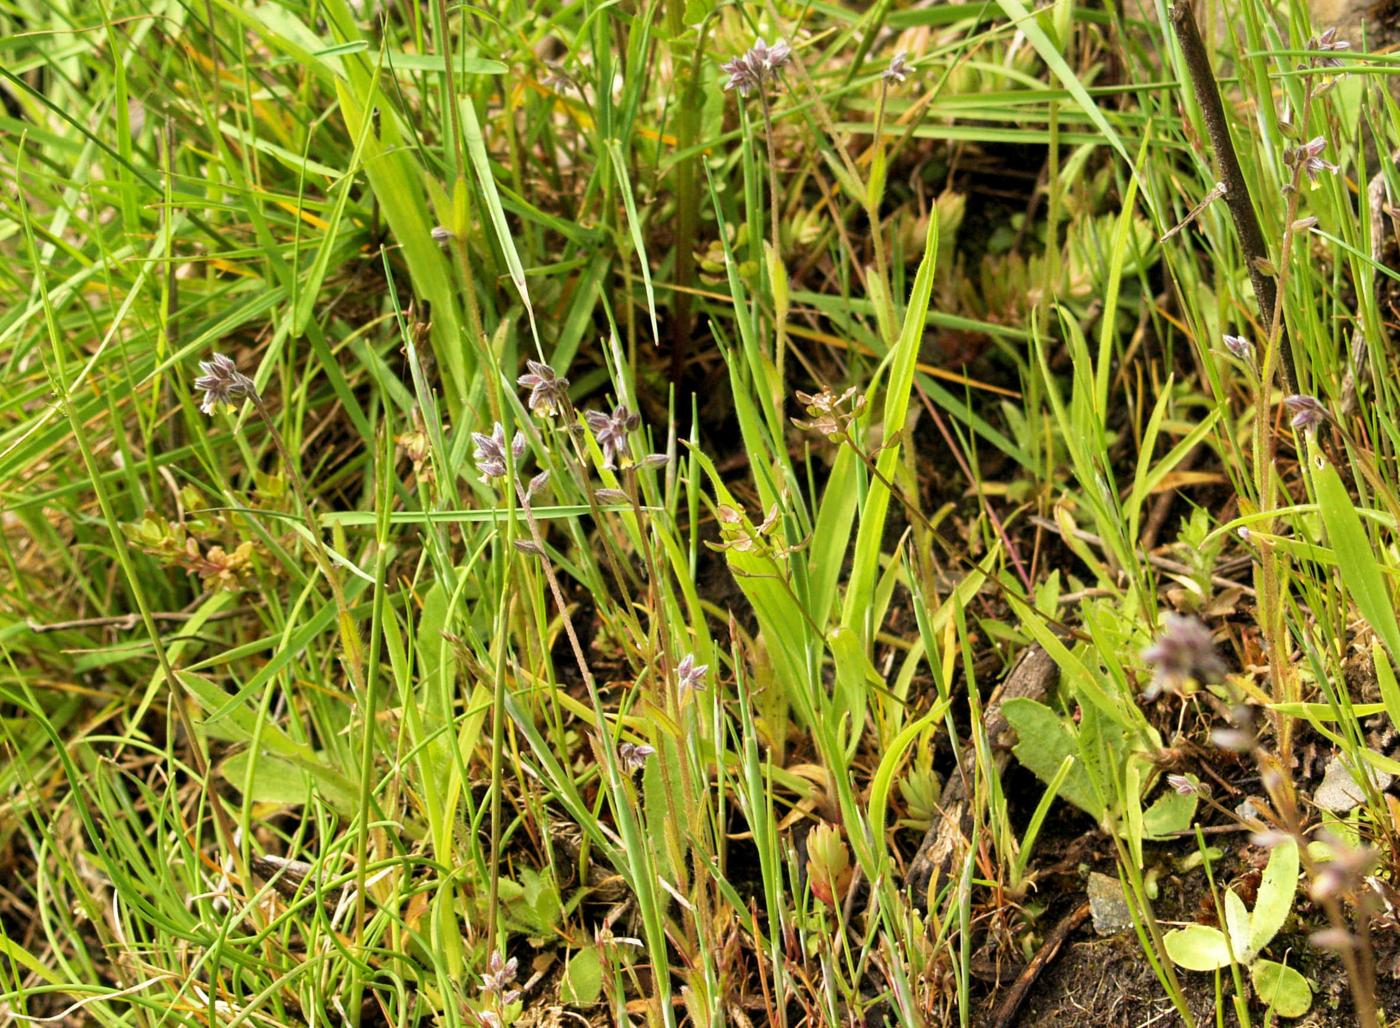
899 68
611 430
633 755
490 453
1308 413
1183 652
222 382
690 676
756 67
549 391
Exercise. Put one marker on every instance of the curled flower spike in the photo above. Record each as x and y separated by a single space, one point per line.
690 676
549 391
634 755
611 430
756 67
222 382
490 453
1307 411
899 68
1183 652
500 973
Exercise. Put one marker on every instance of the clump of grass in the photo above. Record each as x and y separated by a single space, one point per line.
628 462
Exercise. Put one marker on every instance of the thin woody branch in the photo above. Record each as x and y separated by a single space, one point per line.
1237 198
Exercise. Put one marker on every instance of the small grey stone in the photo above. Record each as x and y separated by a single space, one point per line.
1108 905
1340 789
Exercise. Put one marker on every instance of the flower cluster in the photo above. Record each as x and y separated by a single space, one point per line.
757 66
1309 155
899 68
500 974
549 391
1183 653
611 431
690 676
222 382
490 453
1328 42
1308 412
633 755
736 533
831 414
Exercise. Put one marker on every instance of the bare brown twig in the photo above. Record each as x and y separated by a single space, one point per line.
1237 198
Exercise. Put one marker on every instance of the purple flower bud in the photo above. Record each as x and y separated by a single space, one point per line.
634 755
1308 413
1240 347
690 676
536 484
1185 785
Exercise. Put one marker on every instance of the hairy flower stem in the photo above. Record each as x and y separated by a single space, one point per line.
1283 682
780 316
871 203
498 723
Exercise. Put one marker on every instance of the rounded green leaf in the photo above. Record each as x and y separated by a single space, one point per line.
583 979
1281 987
1198 947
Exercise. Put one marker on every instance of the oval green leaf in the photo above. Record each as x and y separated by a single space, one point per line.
1198 947
1282 988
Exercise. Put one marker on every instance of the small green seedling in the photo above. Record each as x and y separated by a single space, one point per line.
1102 751
1202 948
